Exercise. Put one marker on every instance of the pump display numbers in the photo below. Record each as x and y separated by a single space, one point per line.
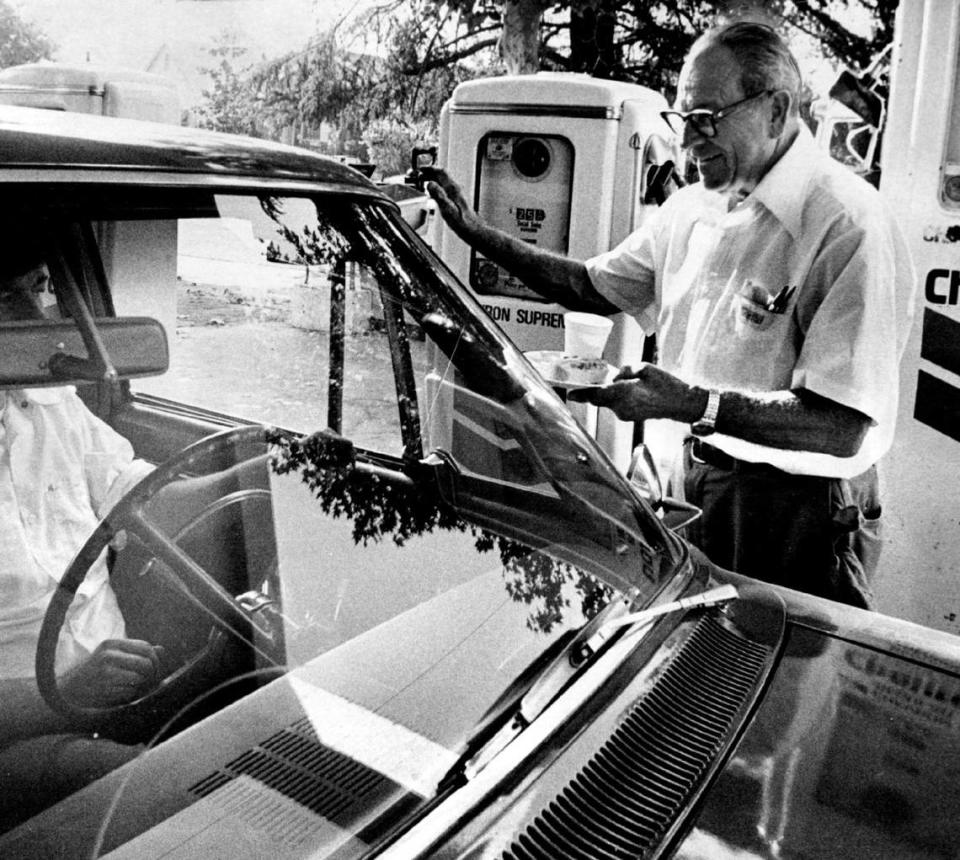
523 187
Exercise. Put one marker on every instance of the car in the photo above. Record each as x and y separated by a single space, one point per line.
409 607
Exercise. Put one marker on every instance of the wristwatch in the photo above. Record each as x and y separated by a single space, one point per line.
706 423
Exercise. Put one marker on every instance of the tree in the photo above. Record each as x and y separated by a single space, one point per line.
430 46
333 81
519 44
642 42
389 142
838 41
229 106
20 42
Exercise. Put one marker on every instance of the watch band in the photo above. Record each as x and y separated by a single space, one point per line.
706 423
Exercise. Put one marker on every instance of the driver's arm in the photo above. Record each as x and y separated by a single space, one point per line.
118 671
24 713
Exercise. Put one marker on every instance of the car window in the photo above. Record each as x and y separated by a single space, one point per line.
255 283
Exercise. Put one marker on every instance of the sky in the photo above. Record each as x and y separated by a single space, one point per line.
132 32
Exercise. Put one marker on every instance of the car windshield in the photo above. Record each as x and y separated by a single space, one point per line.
383 502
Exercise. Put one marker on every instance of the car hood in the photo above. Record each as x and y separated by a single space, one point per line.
846 744
851 745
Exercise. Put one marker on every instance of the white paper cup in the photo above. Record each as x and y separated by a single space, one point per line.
585 335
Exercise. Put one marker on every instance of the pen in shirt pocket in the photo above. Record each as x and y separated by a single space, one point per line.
778 304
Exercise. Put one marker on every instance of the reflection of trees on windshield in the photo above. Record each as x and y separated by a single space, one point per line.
380 507
532 576
318 245
377 506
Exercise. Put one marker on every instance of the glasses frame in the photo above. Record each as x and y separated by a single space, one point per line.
704 120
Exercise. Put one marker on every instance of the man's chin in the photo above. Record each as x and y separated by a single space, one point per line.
714 179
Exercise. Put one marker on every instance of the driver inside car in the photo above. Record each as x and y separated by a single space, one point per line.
61 470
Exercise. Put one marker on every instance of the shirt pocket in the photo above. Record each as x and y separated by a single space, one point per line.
759 311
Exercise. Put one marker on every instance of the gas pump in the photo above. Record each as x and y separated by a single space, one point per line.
134 259
569 163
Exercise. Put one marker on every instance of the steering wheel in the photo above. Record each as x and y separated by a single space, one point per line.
219 489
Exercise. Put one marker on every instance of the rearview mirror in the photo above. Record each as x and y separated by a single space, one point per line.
52 352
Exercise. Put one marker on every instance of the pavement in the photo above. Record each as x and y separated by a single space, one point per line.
240 354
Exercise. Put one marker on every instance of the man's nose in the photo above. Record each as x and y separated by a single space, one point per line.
691 135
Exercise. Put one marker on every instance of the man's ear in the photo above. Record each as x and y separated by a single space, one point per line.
779 110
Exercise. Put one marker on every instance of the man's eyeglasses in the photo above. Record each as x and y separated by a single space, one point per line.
704 121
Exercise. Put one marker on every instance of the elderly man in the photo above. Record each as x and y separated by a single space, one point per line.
780 291
61 469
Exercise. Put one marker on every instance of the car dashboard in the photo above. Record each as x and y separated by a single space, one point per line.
297 769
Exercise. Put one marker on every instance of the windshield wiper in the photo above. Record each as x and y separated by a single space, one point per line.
712 597
575 657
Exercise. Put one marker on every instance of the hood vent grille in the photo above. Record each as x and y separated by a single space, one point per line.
624 800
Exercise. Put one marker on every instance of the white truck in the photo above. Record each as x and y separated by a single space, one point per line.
919 577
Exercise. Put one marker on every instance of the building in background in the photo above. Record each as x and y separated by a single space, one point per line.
174 37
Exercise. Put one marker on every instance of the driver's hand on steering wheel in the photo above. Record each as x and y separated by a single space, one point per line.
119 671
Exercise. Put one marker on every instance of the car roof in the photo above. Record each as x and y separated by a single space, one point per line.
35 142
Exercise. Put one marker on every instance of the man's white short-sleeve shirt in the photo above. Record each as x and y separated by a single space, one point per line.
61 470
807 284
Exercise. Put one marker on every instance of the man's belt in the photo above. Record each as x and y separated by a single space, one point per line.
703 452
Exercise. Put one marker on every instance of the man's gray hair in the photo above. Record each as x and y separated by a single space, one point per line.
766 63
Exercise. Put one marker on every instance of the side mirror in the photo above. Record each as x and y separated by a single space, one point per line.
644 476
420 157
53 352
